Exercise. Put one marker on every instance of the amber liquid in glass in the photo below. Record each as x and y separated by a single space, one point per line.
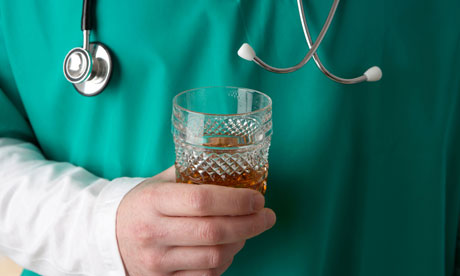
251 178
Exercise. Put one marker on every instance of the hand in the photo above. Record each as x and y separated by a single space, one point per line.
168 228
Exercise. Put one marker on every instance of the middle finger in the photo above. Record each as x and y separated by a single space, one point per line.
197 231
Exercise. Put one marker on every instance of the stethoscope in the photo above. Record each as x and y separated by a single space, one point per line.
89 68
372 74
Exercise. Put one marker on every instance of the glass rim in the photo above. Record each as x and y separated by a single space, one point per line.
175 104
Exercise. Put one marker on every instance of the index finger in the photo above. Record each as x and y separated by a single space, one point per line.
177 199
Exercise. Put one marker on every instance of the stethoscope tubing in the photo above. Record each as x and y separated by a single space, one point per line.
316 58
372 74
311 51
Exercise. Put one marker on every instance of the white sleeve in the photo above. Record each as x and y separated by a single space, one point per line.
56 218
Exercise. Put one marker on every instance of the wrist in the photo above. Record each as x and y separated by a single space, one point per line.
105 222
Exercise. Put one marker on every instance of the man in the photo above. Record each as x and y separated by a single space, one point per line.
364 178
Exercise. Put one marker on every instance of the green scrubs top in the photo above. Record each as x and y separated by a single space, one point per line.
365 179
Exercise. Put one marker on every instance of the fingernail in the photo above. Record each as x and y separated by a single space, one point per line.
258 202
270 218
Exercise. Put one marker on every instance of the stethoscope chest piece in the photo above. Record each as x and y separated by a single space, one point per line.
89 67
77 65
89 71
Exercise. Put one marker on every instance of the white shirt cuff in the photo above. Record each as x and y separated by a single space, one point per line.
105 222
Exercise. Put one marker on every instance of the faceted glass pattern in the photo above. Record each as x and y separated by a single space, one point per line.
223 149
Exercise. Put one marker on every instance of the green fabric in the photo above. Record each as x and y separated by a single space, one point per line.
364 179
28 273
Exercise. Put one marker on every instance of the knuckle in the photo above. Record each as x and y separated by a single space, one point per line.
158 233
256 227
159 189
253 227
243 203
152 261
210 232
238 203
216 257
154 192
142 232
146 234
210 272
200 200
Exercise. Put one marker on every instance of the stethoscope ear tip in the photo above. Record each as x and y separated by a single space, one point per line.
373 74
247 52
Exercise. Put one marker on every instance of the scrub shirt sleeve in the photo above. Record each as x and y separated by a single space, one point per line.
55 218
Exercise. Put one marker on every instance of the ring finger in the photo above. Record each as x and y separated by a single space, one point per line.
211 272
200 257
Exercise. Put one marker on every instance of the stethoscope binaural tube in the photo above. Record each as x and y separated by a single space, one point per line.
89 67
247 52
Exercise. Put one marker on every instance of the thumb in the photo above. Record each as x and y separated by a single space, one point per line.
168 175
